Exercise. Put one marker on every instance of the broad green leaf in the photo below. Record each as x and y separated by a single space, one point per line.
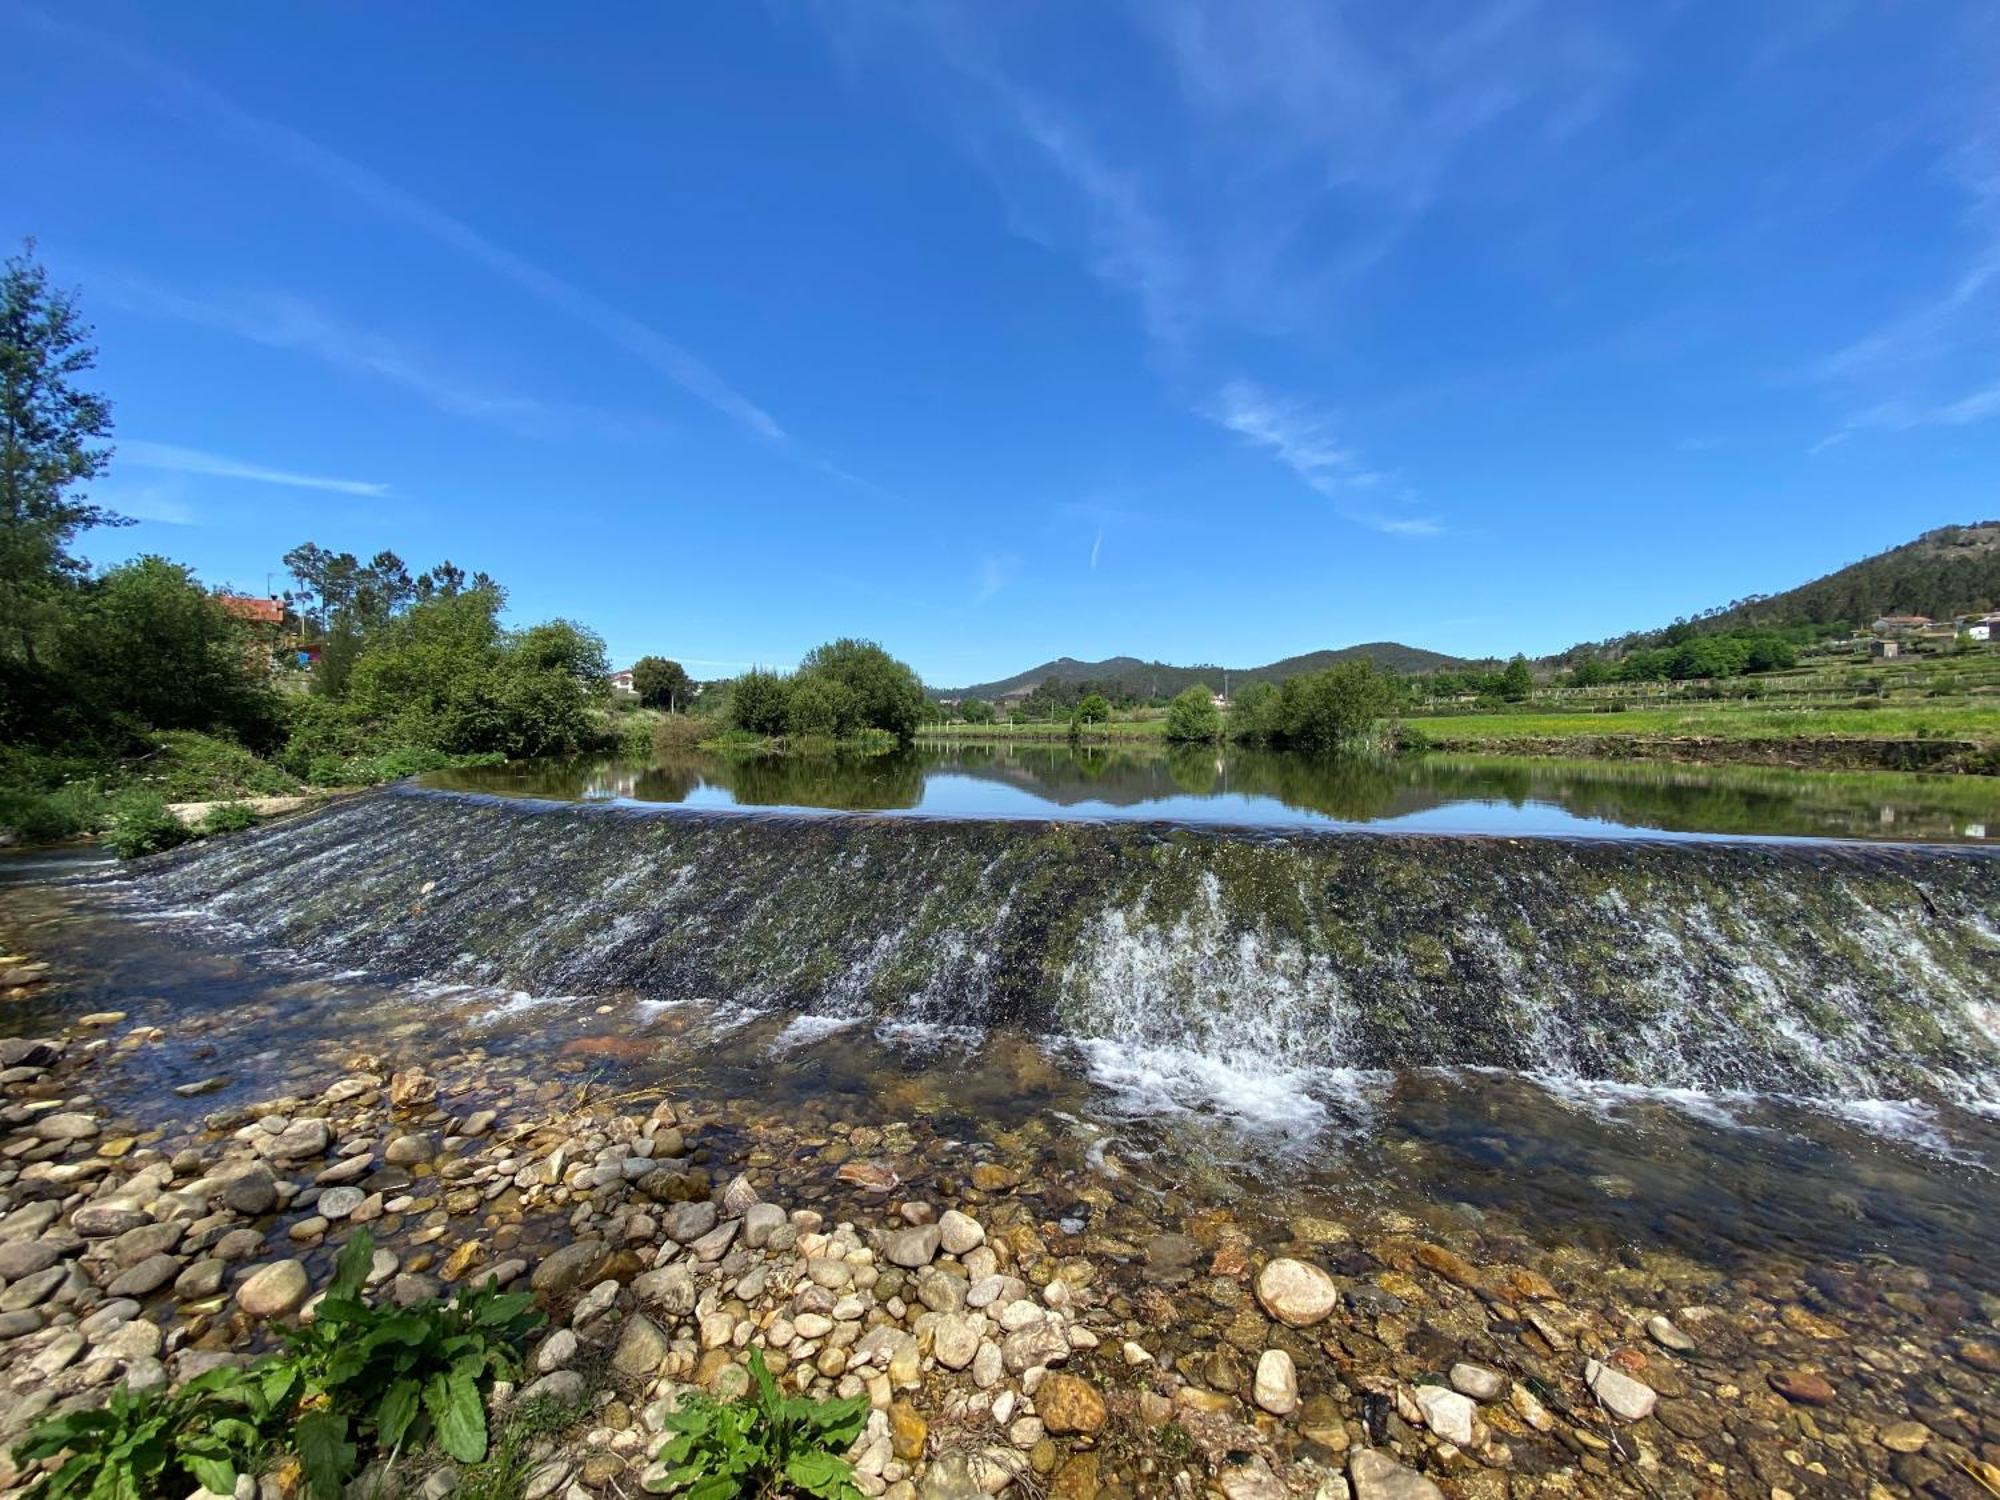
324 1452
350 1271
213 1473
397 1411
821 1474
459 1416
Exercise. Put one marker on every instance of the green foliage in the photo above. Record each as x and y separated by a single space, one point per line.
183 766
677 735
227 817
822 708
356 1377
1093 709
394 1376
148 643
661 683
1517 681
1193 717
1253 714
976 711
50 443
762 1444
884 692
153 1442
38 817
760 702
140 824
441 675
1322 711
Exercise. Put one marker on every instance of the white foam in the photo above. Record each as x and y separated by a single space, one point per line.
805 1030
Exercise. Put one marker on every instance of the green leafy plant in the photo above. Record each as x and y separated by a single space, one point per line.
227 817
151 1442
393 1375
761 1444
141 824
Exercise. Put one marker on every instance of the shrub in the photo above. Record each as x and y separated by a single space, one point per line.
759 702
1325 710
184 766
822 708
1193 717
677 735
762 1444
884 692
227 817
1094 708
1253 716
140 824
37 817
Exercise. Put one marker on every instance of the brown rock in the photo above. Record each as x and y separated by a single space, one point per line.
1069 1403
1802 1386
907 1431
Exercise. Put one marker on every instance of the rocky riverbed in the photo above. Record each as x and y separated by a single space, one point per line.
1022 1316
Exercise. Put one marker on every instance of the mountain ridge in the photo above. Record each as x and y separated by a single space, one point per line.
1150 678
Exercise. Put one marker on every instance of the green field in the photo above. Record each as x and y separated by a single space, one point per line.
1743 721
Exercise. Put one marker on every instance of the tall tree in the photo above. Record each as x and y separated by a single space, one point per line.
50 443
661 683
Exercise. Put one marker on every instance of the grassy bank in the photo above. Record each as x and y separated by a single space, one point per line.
1747 721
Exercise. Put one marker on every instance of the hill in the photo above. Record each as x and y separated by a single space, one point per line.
1954 570
1155 678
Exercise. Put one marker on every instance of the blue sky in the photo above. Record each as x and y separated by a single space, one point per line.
1185 328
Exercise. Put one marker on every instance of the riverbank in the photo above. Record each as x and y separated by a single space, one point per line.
1005 1323
1020 1308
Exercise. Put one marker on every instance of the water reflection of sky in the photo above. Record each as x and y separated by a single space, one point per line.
1474 795
949 795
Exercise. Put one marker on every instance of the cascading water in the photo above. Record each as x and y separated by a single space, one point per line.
1832 972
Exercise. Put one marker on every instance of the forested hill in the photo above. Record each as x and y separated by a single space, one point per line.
1148 679
1951 571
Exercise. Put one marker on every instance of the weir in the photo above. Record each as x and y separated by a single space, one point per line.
1817 970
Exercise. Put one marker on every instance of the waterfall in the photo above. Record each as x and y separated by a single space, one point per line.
1828 971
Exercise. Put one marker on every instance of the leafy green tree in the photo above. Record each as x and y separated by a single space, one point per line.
759 702
822 708
50 432
1319 711
1193 717
976 711
148 644
1094 708
1517 681
887 694
1253 714
661 683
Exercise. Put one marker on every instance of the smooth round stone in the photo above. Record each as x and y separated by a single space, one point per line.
339 1202
273 1290
1296 1293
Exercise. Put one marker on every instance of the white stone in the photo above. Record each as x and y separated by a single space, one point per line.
1447 1413
1628 1399
1277 1385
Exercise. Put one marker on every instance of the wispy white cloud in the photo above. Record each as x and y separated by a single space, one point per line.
1096 546
175 459
994 573
1305 441
1934 364
161 502
301 154
281 321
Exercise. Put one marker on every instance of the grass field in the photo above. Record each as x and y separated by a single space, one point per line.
1749 721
